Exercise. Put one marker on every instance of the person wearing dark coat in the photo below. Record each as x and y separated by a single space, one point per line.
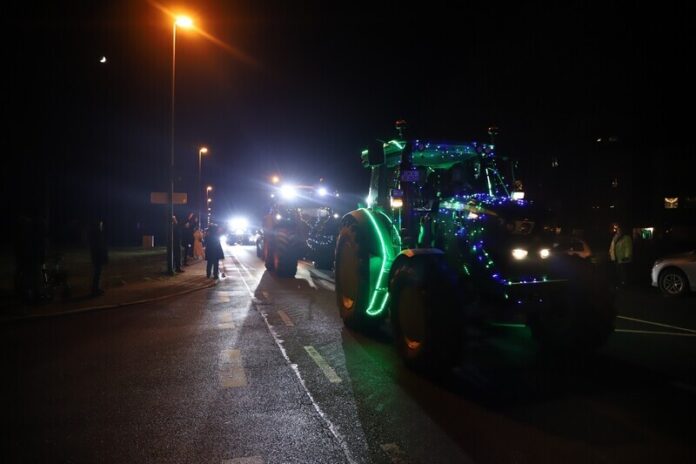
99 254
187 240
213 252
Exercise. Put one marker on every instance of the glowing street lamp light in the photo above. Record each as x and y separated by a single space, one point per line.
275 179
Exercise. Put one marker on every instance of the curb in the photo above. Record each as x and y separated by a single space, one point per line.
106 306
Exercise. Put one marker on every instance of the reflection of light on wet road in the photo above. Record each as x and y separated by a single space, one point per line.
232 370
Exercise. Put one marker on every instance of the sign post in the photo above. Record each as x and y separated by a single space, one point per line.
162 198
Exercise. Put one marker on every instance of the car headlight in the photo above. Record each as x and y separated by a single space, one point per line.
519 253
544 253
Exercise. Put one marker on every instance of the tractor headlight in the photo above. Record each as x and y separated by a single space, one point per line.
519 254
288 192
238 223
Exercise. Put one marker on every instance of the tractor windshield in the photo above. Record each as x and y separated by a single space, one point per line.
465 178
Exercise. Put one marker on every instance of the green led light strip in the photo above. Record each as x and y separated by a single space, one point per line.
371 311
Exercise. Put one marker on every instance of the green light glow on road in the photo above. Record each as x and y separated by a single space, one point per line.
371 311
509 325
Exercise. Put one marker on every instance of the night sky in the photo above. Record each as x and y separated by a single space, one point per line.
300 88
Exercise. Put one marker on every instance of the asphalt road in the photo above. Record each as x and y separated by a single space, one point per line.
261 370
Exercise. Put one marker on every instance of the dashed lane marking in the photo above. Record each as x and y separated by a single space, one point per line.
396 456
332 428
323 365
226 325
249 460
658 324
286 319
656 332
232 373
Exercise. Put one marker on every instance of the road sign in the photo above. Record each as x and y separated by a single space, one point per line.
162 198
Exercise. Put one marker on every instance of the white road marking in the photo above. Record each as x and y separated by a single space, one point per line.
655 332
232 373
332 428
323 365
226 325
286 319
396 456
250 460
656 324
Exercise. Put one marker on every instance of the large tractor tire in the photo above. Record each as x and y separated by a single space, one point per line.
424 309
352 276
284 253
581 319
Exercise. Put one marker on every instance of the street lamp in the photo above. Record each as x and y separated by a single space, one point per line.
201 152
186 23
207 204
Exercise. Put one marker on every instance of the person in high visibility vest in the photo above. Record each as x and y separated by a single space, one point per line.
621 253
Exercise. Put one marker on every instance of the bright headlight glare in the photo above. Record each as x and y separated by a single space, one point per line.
278 217
238 223
322 191
544 253
288 192
519 253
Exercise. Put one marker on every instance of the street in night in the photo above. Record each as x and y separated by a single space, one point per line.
254 233
262 368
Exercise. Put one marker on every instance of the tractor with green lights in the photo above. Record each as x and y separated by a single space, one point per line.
443 245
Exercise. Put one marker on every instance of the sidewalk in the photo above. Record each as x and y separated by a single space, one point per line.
151 285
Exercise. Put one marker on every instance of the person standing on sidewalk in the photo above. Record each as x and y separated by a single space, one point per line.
99 254
213 252
198 244
621 253
187 240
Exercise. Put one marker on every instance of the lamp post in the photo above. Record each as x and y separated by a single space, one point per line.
185 22
207 205
201 152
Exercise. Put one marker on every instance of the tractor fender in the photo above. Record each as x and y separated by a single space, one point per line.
411 253
378 227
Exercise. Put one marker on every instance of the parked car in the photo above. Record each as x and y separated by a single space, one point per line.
573 246
675 275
